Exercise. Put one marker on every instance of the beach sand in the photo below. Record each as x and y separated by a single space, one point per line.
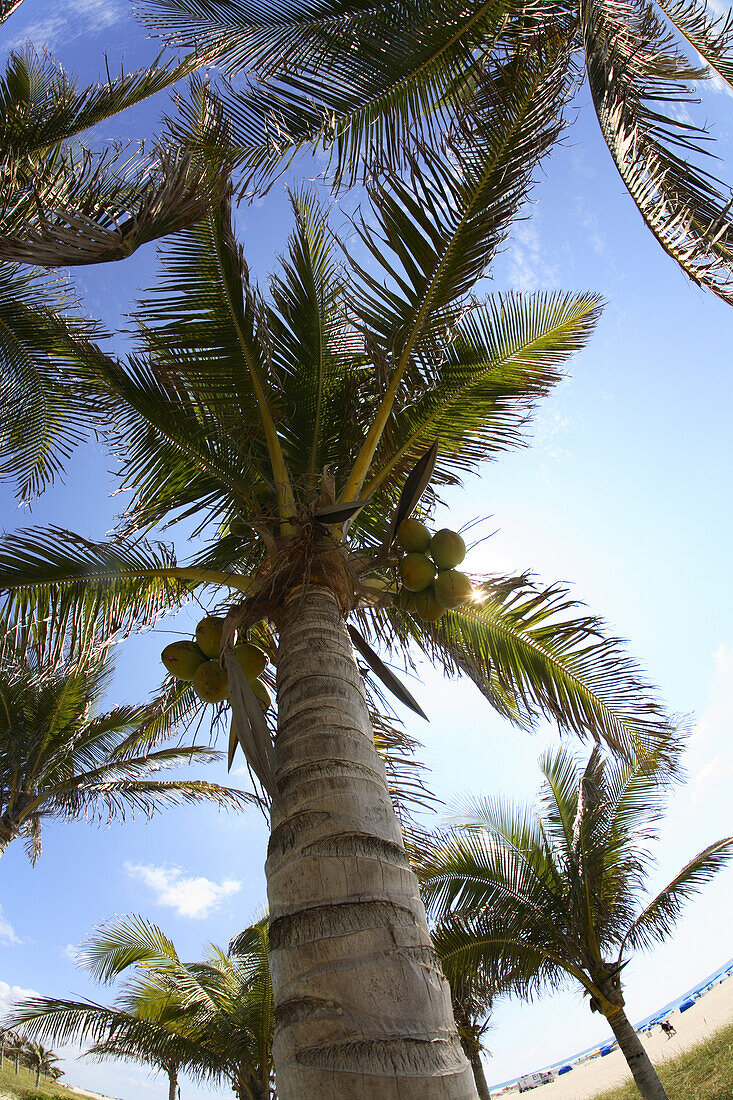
712 1011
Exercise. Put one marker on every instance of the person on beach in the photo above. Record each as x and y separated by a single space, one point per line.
667 1028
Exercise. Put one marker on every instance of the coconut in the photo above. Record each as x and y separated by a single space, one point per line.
413 536
211 683
182 659
251 658
208 635
447 549
407 599
263 695
427 606
417 572
452 588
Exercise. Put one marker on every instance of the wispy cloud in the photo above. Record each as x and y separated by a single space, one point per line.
709 758
70 952
7 932
528 267
190 897
72 20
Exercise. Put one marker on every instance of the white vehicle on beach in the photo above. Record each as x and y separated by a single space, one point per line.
534 1080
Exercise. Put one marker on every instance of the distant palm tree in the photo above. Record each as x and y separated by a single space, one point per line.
529 896
16 1045
40 1059
213 1019
63 204
379 81
62 757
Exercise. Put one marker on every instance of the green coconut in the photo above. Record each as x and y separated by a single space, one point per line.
407 599
413 536
417 572
428 607
211 683
251 658
452 588
263 695
182 659
208 635
447 549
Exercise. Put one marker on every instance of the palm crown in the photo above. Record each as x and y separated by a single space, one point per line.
256 415
527 897
62 757
212 1018
372 80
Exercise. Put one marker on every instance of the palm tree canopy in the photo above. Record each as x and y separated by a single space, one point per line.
63 757
213 1018
525 896
255 412
373 81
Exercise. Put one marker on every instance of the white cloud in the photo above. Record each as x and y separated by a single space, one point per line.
7 932
78 18
708 759
70 952
190 897
11 993
528 268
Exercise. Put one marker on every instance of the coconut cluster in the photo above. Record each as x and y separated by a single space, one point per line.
431 584
198 662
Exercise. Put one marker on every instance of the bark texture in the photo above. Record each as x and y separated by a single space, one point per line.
362 1009
479 1077
631 1047
9 830
172 1082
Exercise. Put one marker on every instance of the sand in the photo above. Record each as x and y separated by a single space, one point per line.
712 1011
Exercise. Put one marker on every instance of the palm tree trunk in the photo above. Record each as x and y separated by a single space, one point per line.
9 829
17 1060
172 1072
38 1077
630 1045
482 1085
363 1011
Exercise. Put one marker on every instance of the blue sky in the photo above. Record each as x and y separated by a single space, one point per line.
624 492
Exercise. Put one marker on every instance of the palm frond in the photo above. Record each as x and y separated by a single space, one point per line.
633 67
45 569
43 415
552 664
712 37
437 230
78 207
122 943
656 922
504 356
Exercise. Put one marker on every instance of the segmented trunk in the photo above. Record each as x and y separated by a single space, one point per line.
172 1072
362 1009
9 829
630 1045
479 1077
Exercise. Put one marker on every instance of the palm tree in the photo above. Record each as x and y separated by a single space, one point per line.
374 81
213 1019
62 757
40 1059
16 1045
527 896
62 205
292 427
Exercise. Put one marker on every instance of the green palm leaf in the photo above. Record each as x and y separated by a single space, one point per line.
43 416
657 920
633 66
552 665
